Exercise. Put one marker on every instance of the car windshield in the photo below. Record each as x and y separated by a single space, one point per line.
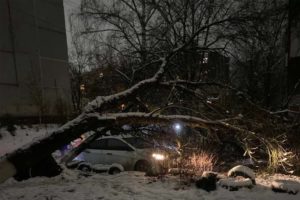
139 143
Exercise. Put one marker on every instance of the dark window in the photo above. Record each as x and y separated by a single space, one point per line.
98 144
115 144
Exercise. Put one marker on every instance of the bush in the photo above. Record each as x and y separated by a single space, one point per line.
199 162
280 159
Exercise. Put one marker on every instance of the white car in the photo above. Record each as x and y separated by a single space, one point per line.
133 153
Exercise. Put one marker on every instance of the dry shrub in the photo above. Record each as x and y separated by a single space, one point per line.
192 165
199 162
280 159
274 150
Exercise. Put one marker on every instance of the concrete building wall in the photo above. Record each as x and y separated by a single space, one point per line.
33 58
294 55
294 28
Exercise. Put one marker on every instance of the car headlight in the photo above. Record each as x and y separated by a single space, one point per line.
158 156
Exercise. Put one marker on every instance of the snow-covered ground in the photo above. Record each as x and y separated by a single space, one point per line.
130 185
72 185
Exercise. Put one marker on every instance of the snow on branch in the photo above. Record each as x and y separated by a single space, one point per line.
101 102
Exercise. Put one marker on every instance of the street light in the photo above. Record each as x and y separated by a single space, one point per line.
177 127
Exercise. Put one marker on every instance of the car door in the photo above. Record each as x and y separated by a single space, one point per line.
95 153
119 152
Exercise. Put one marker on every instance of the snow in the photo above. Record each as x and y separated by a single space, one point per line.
286 185
243 169
232 182
75 185
99 101
24 135
128 185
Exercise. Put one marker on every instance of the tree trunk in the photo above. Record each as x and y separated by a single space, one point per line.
24 159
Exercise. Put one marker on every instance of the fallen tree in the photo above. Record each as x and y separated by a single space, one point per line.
23 159
31 155
99 114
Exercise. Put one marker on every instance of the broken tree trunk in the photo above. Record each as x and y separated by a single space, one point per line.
33 154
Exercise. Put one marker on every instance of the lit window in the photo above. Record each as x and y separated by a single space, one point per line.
205 58
82 87
122 106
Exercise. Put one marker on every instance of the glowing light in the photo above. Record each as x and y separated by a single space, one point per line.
177 127
123 106
158 156
205 58
82 87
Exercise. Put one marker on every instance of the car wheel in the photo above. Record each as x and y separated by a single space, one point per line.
85 168
114 170
142 166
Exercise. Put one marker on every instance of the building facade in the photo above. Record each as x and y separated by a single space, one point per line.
34 78
294 55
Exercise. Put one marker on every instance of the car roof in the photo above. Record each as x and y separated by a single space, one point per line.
116 137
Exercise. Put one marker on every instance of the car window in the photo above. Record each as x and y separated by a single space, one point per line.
98 144
139 142
115 144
